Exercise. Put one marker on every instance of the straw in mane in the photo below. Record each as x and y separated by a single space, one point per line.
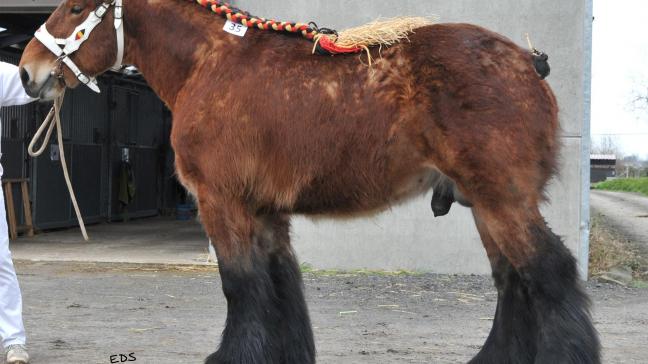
378 33
382 31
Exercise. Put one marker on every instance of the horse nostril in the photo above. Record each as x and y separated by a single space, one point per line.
24 76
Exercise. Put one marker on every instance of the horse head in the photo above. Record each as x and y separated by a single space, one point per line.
79 41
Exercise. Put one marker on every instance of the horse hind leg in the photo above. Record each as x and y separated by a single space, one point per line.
514 318
542 312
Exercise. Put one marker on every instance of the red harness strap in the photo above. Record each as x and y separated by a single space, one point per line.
327 46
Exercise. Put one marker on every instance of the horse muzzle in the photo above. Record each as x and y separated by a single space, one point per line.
41 82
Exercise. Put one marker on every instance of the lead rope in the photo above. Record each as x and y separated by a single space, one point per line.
53 119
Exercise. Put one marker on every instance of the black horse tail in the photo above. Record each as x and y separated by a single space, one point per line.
541 63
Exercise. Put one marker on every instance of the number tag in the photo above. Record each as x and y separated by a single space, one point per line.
234 28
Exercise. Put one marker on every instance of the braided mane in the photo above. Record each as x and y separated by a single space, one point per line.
381 32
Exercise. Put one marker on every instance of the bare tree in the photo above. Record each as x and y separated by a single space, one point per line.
605 145
639 96
640 99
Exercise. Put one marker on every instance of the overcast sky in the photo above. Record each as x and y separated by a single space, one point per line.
620 71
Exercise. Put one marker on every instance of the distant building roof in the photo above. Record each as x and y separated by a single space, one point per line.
604 157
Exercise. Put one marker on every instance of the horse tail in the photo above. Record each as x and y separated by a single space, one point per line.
541 63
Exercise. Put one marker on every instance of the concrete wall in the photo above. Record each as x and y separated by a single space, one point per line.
409 237
26 6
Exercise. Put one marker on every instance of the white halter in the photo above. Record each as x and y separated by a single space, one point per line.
63 48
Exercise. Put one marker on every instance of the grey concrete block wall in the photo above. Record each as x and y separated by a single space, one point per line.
27 6
409 237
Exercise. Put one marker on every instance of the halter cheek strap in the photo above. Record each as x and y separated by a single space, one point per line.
63 48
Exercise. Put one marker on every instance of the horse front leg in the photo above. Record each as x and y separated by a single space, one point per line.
251 329
542 312
267 320
297 342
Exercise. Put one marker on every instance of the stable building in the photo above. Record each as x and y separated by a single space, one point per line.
602 167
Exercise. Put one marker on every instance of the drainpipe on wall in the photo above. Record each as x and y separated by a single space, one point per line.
583 258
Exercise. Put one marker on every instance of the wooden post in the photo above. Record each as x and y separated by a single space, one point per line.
7 185
29 225
11 211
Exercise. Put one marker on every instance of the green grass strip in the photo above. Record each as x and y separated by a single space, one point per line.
638 185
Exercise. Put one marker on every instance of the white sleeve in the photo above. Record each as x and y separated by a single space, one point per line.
11 89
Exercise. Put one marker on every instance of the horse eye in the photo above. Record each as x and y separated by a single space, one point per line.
77 9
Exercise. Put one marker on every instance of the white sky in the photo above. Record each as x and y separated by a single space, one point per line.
620 72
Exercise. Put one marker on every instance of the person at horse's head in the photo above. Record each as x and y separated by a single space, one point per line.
12 330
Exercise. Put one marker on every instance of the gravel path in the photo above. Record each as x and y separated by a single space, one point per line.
85 313
626 212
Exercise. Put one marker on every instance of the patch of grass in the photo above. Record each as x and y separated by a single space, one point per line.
639 284
308 268
638 185
608 250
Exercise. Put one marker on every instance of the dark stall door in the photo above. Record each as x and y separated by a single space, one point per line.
137 129
52 207
84 119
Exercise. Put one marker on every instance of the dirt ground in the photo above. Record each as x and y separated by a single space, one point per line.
626 212
86 313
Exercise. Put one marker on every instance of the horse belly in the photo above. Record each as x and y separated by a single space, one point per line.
358 197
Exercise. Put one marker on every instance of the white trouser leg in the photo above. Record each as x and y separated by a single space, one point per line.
12 330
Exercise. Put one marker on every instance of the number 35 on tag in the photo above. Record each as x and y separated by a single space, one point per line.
234 28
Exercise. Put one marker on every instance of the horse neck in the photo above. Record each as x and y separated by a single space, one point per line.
165 39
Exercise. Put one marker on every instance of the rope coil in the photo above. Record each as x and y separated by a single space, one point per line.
52 120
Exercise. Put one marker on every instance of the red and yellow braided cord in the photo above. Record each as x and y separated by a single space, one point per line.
242 17
324 43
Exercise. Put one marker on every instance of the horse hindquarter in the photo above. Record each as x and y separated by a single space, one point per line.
494 131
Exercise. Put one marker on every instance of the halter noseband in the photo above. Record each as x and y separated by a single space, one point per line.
64 47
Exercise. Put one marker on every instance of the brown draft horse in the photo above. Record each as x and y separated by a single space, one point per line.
263 129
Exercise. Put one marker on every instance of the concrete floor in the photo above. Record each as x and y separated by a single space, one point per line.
144 241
